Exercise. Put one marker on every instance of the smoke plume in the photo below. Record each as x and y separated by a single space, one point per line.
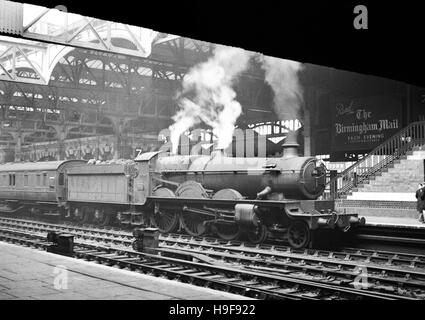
282 76
207 96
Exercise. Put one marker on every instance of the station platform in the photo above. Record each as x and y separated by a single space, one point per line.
379 208
394 222
378 213
30 274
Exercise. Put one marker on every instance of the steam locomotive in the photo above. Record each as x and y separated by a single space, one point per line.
231 197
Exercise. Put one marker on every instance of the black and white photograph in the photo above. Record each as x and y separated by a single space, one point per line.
140 161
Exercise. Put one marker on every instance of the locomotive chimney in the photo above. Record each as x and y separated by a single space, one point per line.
290 147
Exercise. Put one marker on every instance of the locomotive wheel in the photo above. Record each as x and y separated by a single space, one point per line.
298 235
228 232
192 223
257 235
191 189
165 220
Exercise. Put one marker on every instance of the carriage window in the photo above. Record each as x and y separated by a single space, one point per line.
25 180
38 180
44 179
61 179
11 179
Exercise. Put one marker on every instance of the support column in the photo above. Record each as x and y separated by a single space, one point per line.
19 139
18 147
61 132
408 105
307 134
118 144
7 154
309 96
118 129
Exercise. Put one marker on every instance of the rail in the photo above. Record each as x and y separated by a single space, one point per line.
378 159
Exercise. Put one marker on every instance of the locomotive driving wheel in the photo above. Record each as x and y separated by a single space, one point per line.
298 235
227 231
193 223
164 219
258 234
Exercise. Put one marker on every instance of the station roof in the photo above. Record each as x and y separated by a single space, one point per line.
318 32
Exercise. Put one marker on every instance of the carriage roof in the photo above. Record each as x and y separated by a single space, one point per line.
34 166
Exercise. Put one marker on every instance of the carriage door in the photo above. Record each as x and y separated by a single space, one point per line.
61 186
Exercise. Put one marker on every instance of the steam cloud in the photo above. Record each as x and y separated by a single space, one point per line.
207 96
282 76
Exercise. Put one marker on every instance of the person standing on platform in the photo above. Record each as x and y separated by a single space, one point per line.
420 202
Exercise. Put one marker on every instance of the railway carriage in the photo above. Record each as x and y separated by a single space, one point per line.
37 186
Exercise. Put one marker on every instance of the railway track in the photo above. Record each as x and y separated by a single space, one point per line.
375 238
401 276
398 238
124 237
248 283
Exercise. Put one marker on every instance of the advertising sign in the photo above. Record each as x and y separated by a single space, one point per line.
364 123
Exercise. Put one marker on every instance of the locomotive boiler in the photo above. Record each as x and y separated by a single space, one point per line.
287 177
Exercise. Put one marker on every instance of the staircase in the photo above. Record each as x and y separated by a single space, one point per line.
398 181
384 182
391 192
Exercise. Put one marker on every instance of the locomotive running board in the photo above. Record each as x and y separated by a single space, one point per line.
263 203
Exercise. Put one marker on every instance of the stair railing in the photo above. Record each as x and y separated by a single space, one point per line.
379 158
